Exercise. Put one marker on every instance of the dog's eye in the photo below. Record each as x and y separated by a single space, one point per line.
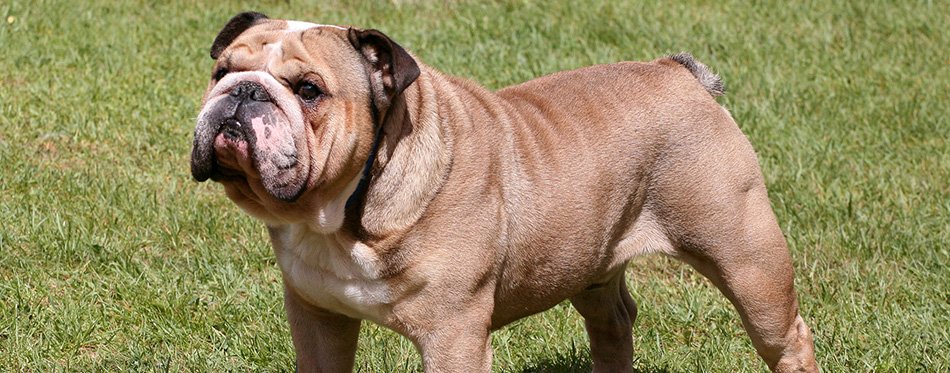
220 73
308 91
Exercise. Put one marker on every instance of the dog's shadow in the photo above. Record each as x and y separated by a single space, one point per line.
578 362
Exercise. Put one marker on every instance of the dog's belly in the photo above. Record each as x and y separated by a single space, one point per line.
341 277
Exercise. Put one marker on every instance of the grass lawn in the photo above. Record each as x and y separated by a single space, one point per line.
112 258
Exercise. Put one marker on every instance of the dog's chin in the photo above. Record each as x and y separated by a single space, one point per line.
320 211
263 189
256 190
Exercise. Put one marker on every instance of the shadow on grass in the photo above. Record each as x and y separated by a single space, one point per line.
578 362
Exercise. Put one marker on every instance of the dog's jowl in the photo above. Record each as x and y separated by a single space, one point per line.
444 211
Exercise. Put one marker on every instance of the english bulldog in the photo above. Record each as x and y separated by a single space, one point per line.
444 211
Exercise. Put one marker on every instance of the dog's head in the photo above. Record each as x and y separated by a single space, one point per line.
289 118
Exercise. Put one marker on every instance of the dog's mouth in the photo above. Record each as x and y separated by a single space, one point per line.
253 143
231 130
227 156
232 153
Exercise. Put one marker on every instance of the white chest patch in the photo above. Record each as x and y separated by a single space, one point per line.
339 275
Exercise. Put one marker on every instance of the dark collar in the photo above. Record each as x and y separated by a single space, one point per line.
364 179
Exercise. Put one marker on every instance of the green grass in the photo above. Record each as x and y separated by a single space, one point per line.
112 258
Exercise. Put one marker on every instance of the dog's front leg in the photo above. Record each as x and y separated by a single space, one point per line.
453 350
461 344
324 341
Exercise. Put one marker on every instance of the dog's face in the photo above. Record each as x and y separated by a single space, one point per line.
289 117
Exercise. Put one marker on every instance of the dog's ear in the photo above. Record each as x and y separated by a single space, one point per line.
391 69
233 29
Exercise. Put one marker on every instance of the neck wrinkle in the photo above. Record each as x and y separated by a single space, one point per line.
413 158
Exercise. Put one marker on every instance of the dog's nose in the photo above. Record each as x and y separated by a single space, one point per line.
249 90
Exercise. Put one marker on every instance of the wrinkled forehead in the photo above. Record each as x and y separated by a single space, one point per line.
283 47
281 34
290 27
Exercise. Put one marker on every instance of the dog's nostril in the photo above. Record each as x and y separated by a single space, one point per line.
251 90
259 95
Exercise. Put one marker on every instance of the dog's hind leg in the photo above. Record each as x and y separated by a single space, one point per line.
709 197
609 312
734 240
760 286
755 273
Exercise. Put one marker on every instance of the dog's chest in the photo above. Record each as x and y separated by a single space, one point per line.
335 274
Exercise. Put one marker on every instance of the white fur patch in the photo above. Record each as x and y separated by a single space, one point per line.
294 26
333 273
329 218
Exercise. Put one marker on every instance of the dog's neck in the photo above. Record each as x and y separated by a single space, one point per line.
364 175
412 160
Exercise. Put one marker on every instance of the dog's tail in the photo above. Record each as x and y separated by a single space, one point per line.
710 81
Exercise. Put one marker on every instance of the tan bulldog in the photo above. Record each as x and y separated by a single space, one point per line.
437 208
